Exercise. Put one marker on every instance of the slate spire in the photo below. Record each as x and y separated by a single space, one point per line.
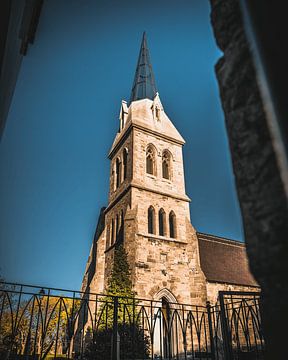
144 86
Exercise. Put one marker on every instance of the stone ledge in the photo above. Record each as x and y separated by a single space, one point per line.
161 238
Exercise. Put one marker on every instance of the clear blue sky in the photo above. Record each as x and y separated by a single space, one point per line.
64 116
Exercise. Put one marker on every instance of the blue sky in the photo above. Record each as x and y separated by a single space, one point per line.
53 156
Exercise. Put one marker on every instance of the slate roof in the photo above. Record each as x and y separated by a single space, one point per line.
224 260
144 86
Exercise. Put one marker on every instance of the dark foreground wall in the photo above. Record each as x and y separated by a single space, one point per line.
260 191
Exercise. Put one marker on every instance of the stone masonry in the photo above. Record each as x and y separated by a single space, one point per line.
148 211
157 262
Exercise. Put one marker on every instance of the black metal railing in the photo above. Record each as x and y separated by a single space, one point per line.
48 323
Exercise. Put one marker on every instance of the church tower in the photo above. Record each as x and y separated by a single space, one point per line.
148 207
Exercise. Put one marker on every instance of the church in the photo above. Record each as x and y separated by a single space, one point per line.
148 211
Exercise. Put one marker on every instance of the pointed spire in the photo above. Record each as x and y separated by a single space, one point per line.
144 83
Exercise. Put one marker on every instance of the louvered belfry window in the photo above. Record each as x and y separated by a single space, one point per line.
150 161
166 165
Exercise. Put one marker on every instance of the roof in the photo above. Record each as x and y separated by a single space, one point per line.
144 86
140 116
224 260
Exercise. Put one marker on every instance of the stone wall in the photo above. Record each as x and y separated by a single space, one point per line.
124 144
260 190
159 262
144 199
174 186
213 289
97 283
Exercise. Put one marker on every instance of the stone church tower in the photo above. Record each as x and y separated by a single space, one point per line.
148 209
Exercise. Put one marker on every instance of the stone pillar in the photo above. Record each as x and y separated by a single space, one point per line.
260 190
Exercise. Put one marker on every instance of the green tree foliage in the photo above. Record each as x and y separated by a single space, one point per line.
119 283
134 344
120 286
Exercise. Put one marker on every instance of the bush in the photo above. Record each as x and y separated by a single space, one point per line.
134 344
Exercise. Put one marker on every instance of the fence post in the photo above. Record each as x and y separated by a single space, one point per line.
228 354
115 348
208 306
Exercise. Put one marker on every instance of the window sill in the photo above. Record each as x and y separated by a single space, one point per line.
167 180
151 176
161 238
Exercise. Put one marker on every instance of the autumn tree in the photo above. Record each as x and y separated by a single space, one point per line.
35 324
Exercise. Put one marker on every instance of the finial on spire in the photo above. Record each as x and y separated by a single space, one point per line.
144 83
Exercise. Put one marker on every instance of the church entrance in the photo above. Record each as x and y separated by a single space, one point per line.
164 335
167 331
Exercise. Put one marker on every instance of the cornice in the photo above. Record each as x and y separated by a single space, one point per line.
125 134
140 187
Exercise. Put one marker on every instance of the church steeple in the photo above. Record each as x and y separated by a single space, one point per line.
144 86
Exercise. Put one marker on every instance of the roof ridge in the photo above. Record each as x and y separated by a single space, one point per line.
211 237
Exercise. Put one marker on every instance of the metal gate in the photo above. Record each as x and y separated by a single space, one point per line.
48 323
235 323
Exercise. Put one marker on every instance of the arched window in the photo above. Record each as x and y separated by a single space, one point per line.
151 220
166 165
172 225
118 172
108 239
150 160
125 155
117 224
120 235
112 232
162 222
122 218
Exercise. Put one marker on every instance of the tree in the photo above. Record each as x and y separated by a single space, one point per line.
133 341
35 324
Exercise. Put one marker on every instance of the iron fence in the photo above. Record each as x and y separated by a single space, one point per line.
48 323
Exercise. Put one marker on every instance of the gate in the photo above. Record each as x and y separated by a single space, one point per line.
48 323
235 323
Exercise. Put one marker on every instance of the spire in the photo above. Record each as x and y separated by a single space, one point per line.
144 83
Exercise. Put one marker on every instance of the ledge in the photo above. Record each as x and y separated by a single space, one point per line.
161 238
130 126
140 187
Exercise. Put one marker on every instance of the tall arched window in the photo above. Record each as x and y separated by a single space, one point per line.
166 165
162 222
118 172
121 218
117 225
172 225
121 227
151 220
108 239
150 160
112 232
125 156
